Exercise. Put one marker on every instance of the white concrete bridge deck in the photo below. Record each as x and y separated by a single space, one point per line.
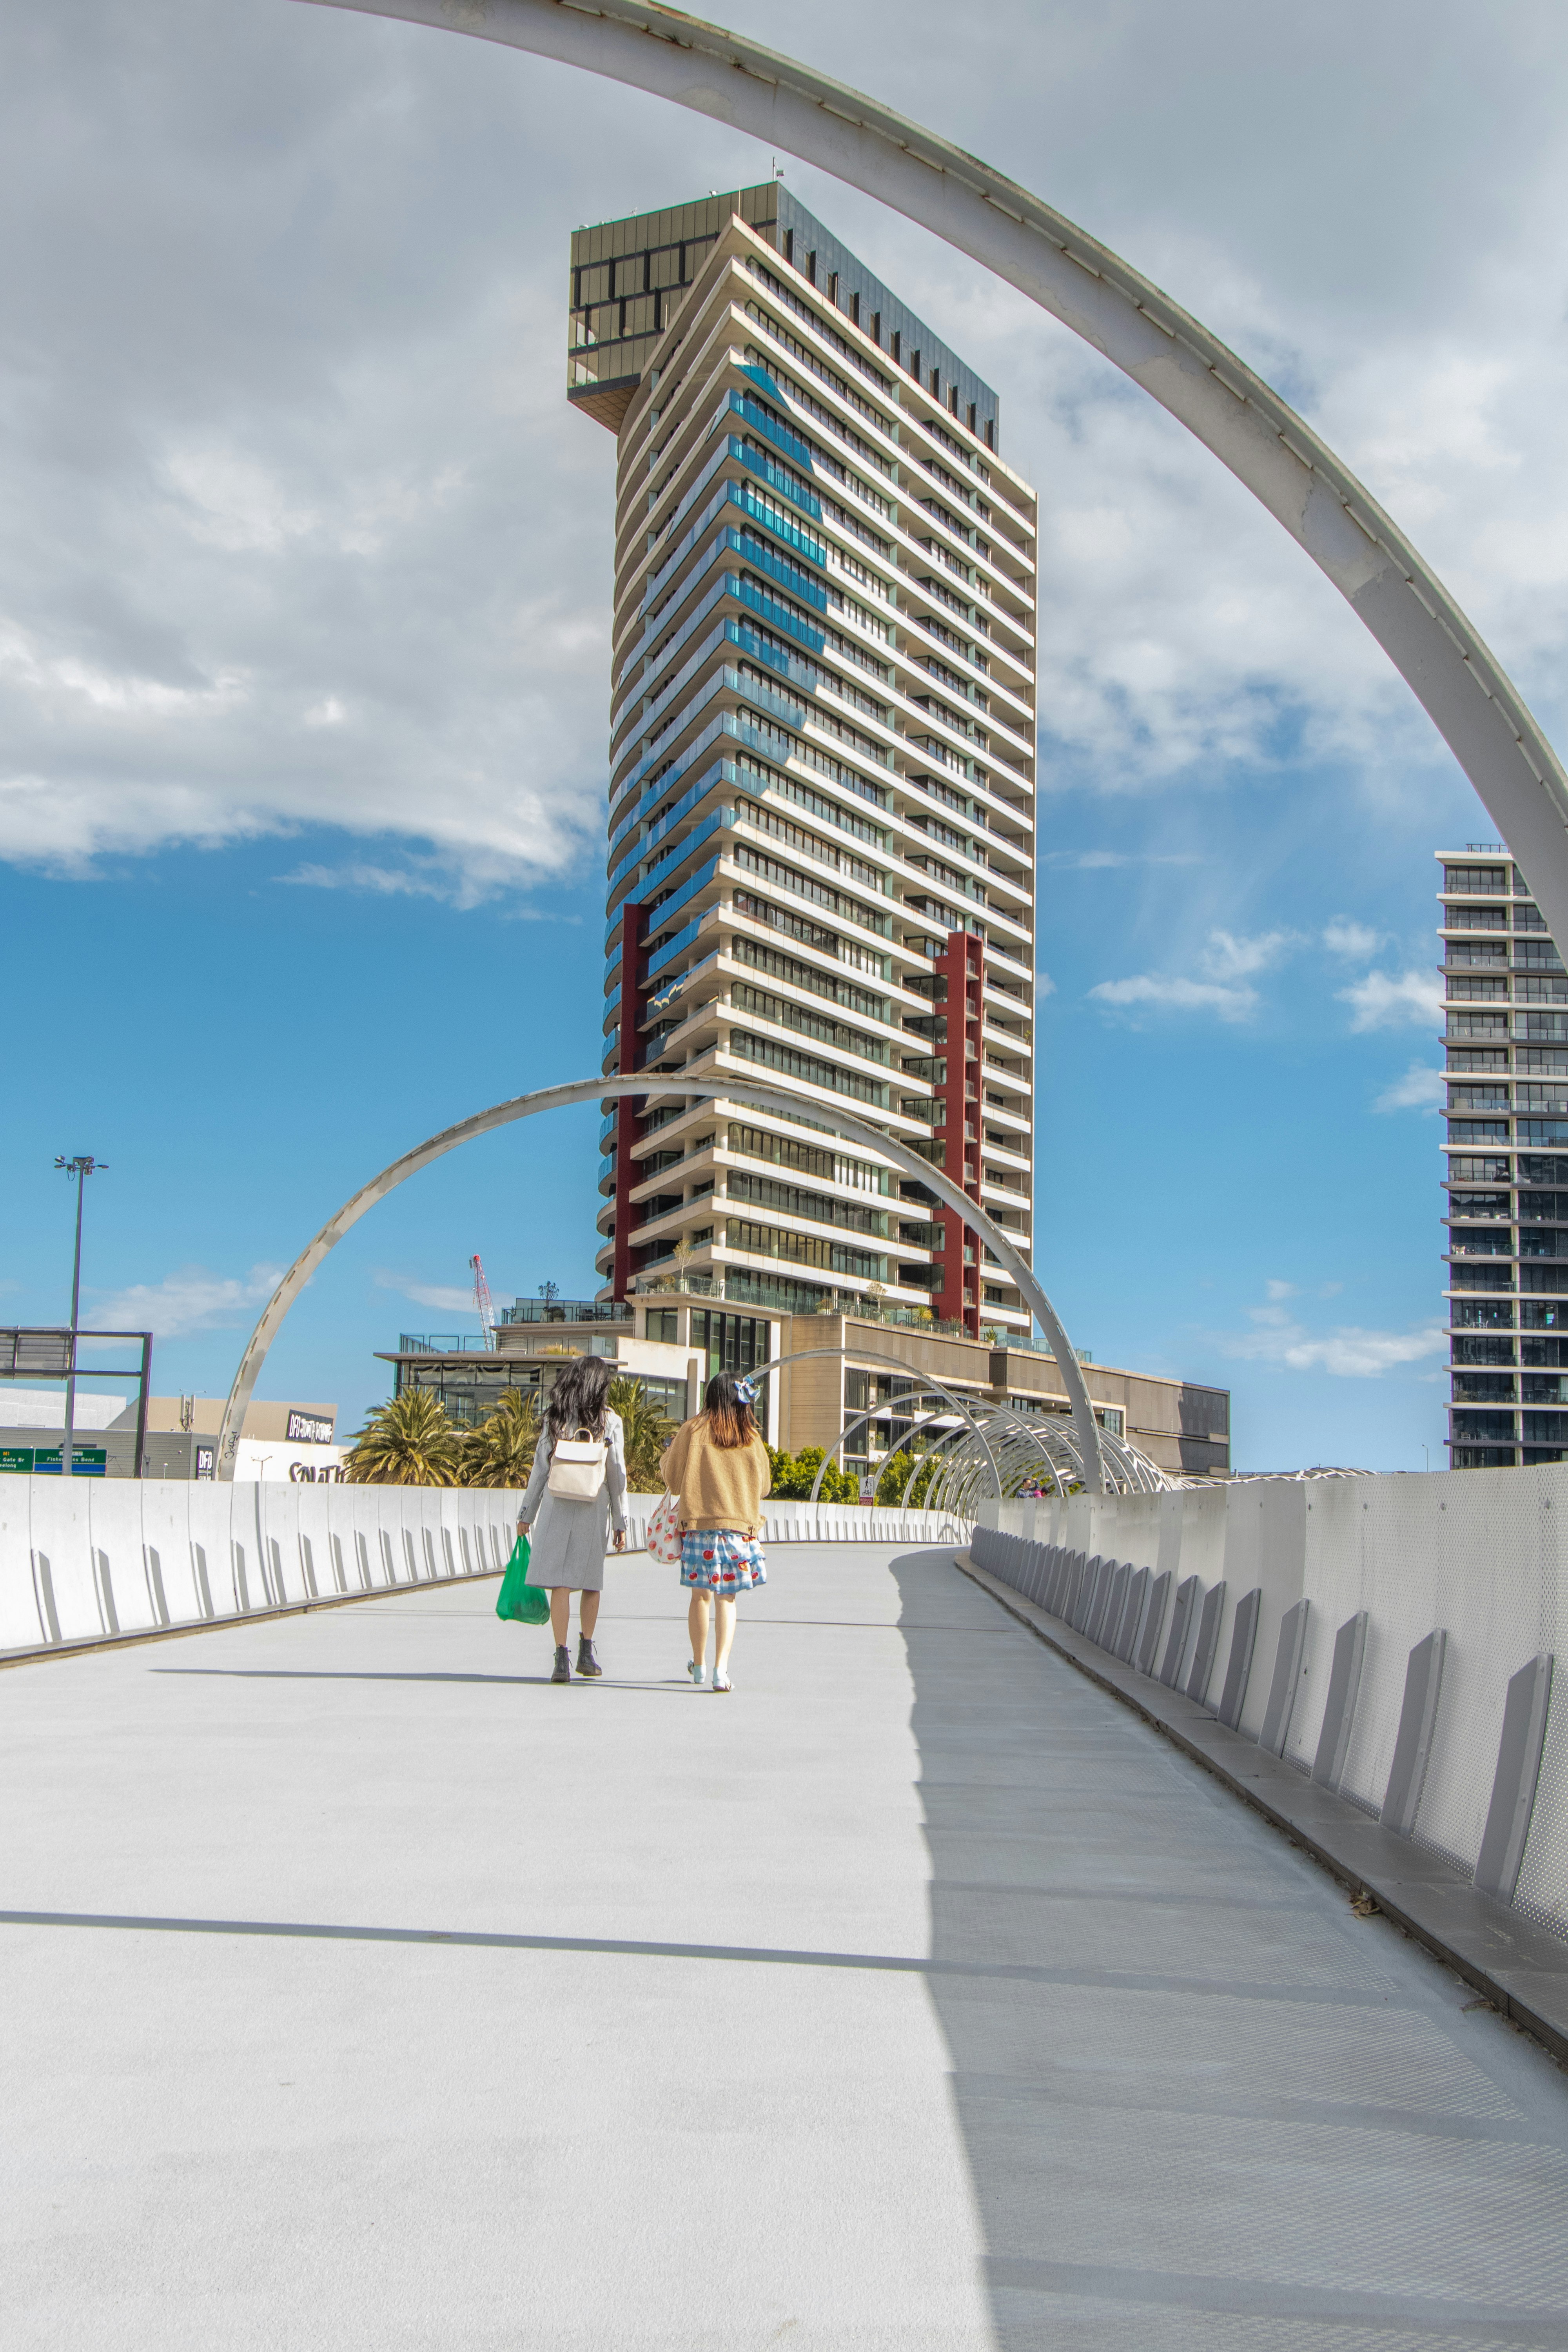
362 1990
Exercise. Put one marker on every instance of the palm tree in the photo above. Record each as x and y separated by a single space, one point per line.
648 1430
407 1442
499 1453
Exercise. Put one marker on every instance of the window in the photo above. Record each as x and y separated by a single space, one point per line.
1499 1351
1478 878
1485 1427
664 1323
1489 1388
728 1343
1479 1205
1474 1171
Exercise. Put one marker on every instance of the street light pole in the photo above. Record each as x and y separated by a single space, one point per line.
78 1169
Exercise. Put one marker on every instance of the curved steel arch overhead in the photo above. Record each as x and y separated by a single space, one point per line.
778 1098
1470 698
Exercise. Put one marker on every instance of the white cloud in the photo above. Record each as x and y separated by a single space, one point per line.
1044 985
1230 961
1421 1089
1227 957
1348 1352
324 547
1275 1289
193 1299
1354 942
1166 994
1096 861
450 1298
1385 1000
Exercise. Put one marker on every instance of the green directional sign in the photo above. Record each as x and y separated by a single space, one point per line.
17 1457
86 1461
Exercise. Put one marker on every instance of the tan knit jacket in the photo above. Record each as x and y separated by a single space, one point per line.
716 1485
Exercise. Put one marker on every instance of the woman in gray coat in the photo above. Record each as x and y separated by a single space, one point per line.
570 1539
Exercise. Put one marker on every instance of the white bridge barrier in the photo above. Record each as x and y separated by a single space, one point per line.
788 1522
90 1560
1392 1637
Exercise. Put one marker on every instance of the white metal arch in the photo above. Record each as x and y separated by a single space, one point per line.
787 1099
1309 491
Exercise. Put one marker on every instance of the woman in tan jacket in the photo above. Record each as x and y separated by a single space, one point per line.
717 1468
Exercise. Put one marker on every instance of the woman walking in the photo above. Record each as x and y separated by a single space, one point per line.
717 1468
569 1516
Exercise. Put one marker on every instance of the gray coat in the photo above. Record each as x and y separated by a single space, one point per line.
567 1541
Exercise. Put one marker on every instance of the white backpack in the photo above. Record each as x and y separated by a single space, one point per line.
578 1467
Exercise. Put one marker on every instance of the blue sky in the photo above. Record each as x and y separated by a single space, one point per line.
304 656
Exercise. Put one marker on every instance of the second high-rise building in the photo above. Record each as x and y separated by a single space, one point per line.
821 769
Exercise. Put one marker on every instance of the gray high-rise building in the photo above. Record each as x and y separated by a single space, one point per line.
1506 1146
822 772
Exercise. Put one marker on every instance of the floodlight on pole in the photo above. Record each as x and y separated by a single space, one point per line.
79 1169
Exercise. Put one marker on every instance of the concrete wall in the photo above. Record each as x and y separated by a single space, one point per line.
1475 1552
88 1557
84 1559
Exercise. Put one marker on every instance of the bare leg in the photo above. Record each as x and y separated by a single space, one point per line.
724 1633
588 1612
697 1625
560 1613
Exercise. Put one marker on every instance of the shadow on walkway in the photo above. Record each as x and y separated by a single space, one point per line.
1225 2115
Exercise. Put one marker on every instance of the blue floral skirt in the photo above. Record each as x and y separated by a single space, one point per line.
721 1559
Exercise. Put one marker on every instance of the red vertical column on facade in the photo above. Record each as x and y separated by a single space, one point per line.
961 966
629 1109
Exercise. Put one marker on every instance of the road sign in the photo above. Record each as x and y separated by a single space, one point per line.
16 1458
86 1461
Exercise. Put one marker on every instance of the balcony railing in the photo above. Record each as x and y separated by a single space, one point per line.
567 1310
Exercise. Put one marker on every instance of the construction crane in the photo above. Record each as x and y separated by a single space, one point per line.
482 1305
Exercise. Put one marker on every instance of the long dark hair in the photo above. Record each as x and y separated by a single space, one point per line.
730 1421
577 1399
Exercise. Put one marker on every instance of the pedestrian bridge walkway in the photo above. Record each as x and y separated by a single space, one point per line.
361 1988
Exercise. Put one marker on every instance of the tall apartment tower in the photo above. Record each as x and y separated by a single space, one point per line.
1507 1042
822 770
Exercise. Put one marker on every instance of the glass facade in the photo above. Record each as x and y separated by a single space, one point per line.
1507 1049
821 858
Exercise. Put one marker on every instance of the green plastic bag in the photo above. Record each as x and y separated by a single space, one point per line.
527 1604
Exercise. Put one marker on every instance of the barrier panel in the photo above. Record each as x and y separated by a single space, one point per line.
1393 1638
88 1560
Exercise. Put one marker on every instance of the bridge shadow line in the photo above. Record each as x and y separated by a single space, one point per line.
328 1675
753 1955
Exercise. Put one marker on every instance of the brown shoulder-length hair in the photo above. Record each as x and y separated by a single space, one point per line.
730 1421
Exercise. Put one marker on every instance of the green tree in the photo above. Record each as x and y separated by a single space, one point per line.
647 1429
500 1452
407 1442
895 1477
793 1474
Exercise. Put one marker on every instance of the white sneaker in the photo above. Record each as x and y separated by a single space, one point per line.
698 1672
720 1680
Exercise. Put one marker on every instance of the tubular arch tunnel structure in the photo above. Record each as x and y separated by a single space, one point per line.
1310 493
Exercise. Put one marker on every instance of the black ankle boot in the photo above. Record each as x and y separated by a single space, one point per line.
563 1664
587 1663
